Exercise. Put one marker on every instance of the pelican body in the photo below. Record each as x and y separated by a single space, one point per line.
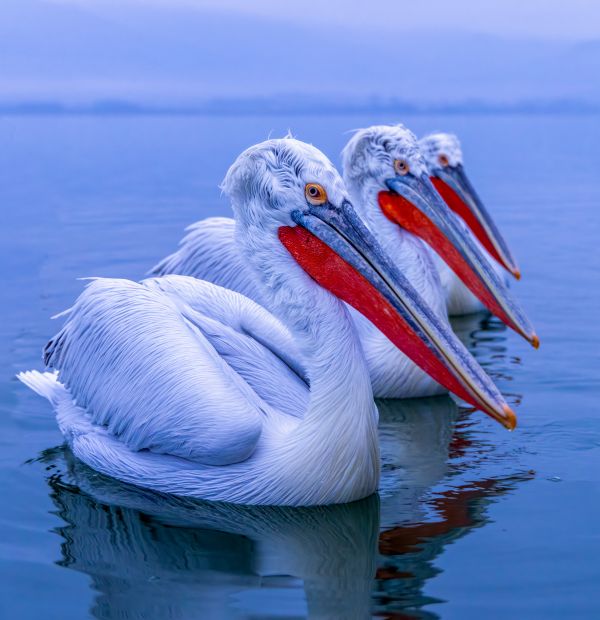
382 195
181 386
444 158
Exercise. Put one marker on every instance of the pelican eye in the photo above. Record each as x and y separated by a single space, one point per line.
315 194
401 167
443 160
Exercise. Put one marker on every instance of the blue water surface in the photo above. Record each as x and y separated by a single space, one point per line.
471 521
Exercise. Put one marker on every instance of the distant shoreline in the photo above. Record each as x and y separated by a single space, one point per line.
277 107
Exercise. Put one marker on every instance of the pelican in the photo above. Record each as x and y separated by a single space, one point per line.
443 154
387 178
171 384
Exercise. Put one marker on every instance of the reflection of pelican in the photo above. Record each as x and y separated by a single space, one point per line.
444 159
153 556
486 339
414 435
184 387
407 552
387 177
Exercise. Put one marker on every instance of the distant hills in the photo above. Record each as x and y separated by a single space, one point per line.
273 106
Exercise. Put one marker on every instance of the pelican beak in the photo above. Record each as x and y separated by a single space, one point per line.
337 250
413 203
455 188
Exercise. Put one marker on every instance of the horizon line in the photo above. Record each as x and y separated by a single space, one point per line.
277 105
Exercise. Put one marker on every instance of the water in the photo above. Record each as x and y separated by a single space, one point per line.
471 521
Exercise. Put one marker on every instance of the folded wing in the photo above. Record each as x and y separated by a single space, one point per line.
138 367
249 338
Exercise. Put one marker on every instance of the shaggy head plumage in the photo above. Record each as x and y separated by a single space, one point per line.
440 150
266 185
371 152
266 182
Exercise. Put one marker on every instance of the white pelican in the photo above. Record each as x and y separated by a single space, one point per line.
444 158
372 172
169 384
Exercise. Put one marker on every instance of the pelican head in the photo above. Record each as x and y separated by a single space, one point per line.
388 159
294 218
444 159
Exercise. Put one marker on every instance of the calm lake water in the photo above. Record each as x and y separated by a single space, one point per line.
471 521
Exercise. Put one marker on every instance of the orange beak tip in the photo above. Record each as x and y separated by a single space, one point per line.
517 274
535 341
510 419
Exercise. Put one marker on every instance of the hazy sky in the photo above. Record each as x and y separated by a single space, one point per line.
417 50
565 19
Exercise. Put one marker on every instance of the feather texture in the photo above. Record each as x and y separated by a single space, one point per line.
134 361
163 384
211 251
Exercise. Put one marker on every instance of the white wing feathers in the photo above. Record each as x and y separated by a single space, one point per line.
138 367
250 339
237 311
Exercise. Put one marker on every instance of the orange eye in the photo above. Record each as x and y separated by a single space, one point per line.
401 167
315 194
443 159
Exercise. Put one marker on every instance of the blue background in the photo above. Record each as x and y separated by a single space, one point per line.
471 520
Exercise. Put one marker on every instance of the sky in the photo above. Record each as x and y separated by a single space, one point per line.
572 19
192 50
562 19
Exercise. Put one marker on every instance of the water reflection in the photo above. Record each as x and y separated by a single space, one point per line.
407 553
415 436
153 556
486 338
440 496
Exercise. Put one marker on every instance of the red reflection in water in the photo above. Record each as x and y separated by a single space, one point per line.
456 509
